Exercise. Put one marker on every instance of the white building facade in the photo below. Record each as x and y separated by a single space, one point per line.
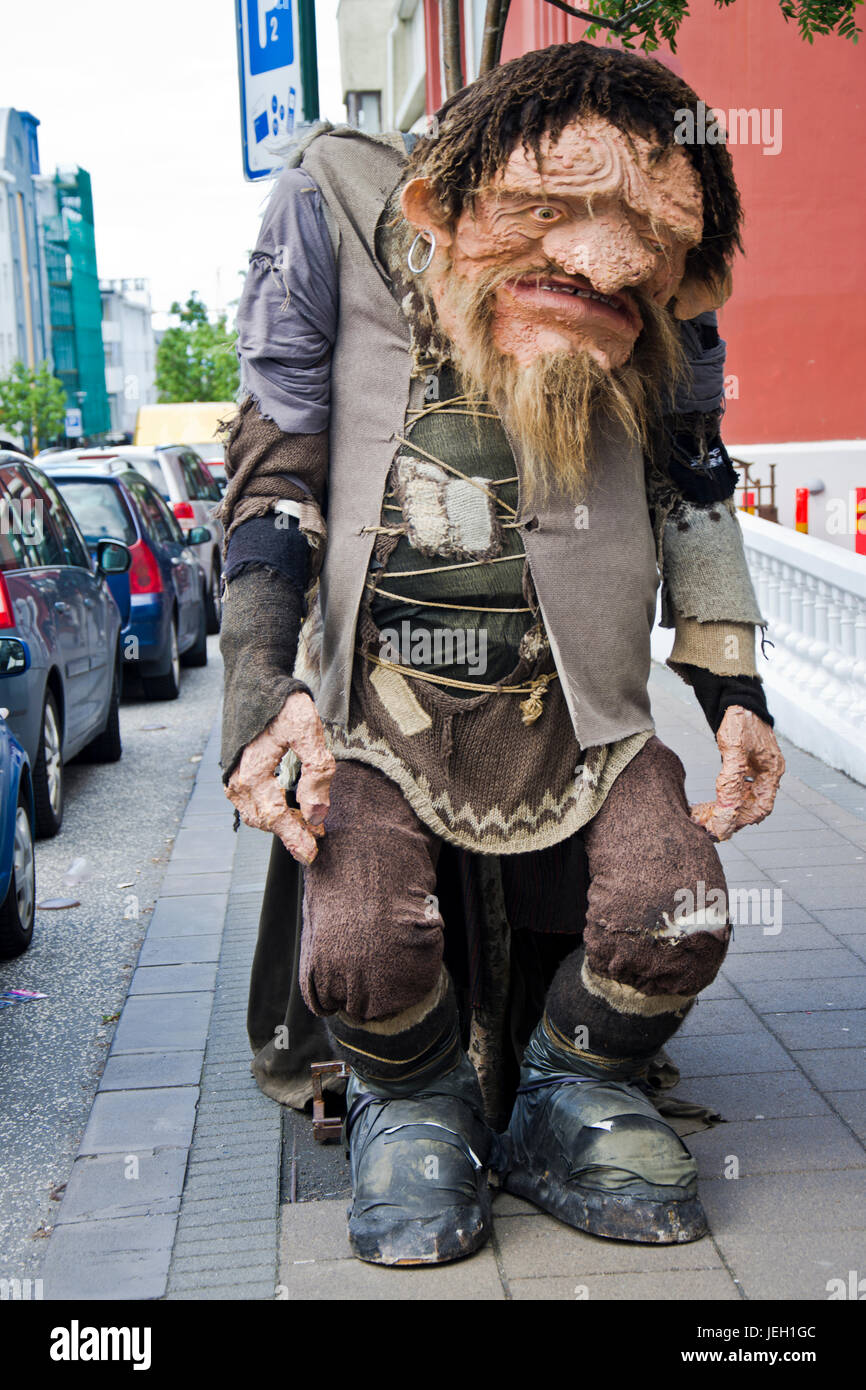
130 350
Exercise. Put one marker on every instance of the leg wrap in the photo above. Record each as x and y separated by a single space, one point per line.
587 1023
411 1047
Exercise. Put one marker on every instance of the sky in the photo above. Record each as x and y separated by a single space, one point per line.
145 97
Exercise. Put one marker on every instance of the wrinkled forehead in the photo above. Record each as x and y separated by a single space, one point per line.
593 159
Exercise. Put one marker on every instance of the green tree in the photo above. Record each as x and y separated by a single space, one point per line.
32 404
196 360
645 23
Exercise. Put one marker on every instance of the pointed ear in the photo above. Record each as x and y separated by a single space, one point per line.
421 208
699 296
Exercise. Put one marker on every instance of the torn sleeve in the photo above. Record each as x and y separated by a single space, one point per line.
263 610
287 316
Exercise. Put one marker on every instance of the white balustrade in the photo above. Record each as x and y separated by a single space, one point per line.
813 596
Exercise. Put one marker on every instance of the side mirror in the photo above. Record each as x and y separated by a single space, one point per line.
198 535
112 557
14 656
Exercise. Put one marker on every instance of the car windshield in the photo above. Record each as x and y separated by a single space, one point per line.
99 510
150 469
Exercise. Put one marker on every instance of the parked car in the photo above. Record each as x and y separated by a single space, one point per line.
56 599
183 481
163 598
17 864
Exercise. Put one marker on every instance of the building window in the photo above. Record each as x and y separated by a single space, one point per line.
365 111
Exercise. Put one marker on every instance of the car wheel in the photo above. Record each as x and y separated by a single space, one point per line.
196 655
48 772
213 602
18 911
166 687
107 746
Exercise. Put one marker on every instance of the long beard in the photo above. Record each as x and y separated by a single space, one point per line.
553 407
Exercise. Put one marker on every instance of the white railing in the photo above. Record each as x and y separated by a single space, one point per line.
813 596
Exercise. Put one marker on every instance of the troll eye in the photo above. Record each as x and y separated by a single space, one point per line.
544 213
657 247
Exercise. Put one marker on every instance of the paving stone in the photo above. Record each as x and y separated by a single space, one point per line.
209 848
704 1284
851 1105
793 965
856 943
99 1188
843 886
834 1069
794 1144
162 1022
127 1071
126 1121
474 1278
800 936
531 1248
721 988
800 858
193 915
724 1056
172 979
313 1231
771 1095
231 1280
180 950
793 1264
118 1259
755 1206
790 996
820 1028
844 920
718 1016
185 884
229 1246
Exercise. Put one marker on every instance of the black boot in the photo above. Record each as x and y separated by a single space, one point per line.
585 1144
419 1168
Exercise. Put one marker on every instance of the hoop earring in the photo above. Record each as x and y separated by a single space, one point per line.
417 269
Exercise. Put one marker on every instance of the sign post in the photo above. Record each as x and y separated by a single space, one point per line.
278 79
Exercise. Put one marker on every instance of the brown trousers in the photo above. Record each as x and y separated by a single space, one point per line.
373 936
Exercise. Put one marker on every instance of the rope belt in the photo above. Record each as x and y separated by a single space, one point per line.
530 709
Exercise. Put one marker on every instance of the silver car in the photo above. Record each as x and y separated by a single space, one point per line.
55 598
180 476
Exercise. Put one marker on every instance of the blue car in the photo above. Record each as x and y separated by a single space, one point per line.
54 598
163 598
17 876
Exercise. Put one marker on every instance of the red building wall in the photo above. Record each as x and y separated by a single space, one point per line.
796 324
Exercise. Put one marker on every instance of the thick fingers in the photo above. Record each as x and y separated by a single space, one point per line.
314 789
719 820
263 807
298 837
299 723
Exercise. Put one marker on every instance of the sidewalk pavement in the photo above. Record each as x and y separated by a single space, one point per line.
183 1183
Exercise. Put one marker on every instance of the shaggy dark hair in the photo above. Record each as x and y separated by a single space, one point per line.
538 94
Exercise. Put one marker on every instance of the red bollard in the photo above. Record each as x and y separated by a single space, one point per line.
750 503
801 513
860 511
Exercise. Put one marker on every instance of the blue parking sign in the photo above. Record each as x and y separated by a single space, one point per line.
269 25
269 61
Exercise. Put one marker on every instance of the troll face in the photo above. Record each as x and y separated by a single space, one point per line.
555 285
567 246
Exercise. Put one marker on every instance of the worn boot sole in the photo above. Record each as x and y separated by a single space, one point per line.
608 1214
451 1234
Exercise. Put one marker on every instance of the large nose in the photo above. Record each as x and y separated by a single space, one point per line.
606 249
